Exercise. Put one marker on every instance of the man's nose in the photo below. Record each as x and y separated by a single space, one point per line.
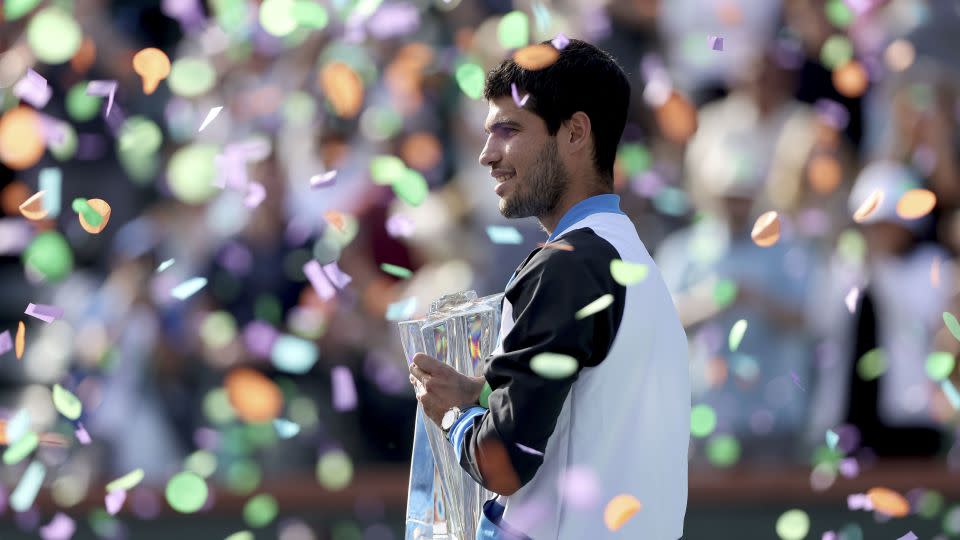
489 155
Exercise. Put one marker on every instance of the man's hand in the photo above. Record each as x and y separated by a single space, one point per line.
439 386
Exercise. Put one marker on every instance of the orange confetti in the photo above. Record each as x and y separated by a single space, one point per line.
935 272
916 203
766 230
21 330
851 79
84 56
536 57
677 119
153 66
21 138
343 88
868 207
32 208
253 396
335 218
620 509
888 502
824 173
13 196
102 208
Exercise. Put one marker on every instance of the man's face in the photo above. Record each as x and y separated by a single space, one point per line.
523 159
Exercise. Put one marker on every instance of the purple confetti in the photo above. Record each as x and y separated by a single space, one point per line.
33 89
114 501
516 96
859 501
560 42
6 343
832 113
796 381
256 193
344 391
394 20
82 434
336 276
326 179
715 42
103 89
908 536
45 313
399 226
579 487
259 337
849 467
54 131
829 535
527 449
236 258
314 273
61 528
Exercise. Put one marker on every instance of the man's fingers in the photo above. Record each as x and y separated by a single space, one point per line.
426 363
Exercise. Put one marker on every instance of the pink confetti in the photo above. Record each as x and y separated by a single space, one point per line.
210 116
6 343
45 313
259 338
336 276
314 273
560 42
400 226
579 487
849 467
256 193
82 434
33 89
829 535
851 299
908 536
529 450
516 96
326 179
114 501
344 391
715 42
61 528
103 89
54 131
859 501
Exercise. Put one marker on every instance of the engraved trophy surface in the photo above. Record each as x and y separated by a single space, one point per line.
459 330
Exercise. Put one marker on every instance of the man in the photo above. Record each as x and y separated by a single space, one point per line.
557 447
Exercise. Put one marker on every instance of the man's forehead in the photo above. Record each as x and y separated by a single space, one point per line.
504 110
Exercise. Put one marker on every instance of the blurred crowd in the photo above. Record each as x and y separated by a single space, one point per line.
807 108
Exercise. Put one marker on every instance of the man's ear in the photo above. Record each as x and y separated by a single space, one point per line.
576 132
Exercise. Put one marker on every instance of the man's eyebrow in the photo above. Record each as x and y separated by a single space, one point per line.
501 123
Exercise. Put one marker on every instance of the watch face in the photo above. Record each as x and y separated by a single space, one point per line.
448 418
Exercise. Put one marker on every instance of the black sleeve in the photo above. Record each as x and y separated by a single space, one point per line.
545 296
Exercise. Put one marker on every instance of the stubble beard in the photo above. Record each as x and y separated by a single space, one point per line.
539 193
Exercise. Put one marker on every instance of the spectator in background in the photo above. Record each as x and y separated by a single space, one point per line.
873 376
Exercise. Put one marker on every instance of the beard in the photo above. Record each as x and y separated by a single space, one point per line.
539 192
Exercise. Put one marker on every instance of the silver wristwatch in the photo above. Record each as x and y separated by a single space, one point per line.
449 419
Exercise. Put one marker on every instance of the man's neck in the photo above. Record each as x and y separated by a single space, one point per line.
549 222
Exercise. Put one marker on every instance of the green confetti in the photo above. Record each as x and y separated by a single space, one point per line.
243 476
626 273
736 334
723 451
411 187
276 17
703 420
940 365
49 255
334 470
26 491
635 159
81 206
241 535
310 15
837 51
485 395
839 14
16 452
186 492
260 510
596 306
513 30
397 271
470 79
14 9
952 324
80 106
872 364
53 35
191 77
724 293
553 365
504 235
793 525
202 462
66 403
127 481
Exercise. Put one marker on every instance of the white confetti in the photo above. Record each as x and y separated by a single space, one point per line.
596 306
164 265
188 288
210 116
323 180
851 299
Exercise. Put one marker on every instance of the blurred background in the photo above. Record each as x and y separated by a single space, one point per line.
199 311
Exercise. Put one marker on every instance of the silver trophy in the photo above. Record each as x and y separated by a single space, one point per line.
444 502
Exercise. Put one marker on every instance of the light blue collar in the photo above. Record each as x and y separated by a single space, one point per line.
598 204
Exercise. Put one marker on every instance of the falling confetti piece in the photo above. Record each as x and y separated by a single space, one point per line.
26 491
326 179
254 397
210 116
935 272
285 428
113 501
66 403
951 392
940 365
520 102
796 381
402 310
51 182
94 221
18 451
82 435
619 510
952 324
164 265
527 449
908 536
627 273
851 299
793 525
344 390
395 270
859 501
832 439
560 42
888 501
18 426
737 331
103 89
260 510
127 481
45 313
82 207
240 535
399 226
6 343
411 187
916 203
33 208
504 235
555 245
188 288
153 66
849 467
256 193
715 42
868 207
33 89
186 492
703 420
536 57
21 330
596 306
343 88
61 528
314 272
553 365
766 230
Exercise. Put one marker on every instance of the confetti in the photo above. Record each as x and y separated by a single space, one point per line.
82 435
703 420
536 57
504 235
940 365
153 66
849 467
400 226
6 342
411 187
292 354
553 365
859 501
241 535
334 470
888 501
188 288
951 392
627 273
868 207
285 428
528 450
520 102
619 510
908 536
260 510
766 230
737 331
45 313
50 183
20 341
952 324
796 381
715 43
94 214
17 427
34 208
560 42
402 310
256 193
832 439
397 271
26 491
113 501
594 307
314 272
935 272
254 397
344 390
33 89
793 525
851 299
210 117
61 528
186 492
19 450
66 403
127 481
103 89
916 203
326 179
164 265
